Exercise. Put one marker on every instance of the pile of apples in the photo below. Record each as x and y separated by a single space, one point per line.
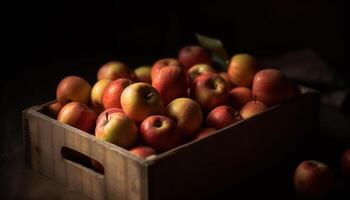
152 109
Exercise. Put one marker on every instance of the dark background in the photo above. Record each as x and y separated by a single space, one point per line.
41 43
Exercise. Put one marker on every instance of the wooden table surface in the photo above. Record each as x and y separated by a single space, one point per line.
37 85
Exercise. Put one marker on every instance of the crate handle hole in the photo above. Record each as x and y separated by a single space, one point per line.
82 159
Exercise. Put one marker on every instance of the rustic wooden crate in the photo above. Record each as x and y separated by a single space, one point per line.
181 173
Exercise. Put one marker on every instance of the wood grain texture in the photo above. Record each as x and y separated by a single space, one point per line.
185 172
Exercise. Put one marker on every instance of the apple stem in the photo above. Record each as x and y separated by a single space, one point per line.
149 95
107 116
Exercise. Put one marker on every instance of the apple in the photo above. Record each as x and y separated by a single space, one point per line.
97 166
171 83
271 87
160 133
53 109
112 94
113 70
252 108
199 69
239 96
141 100
209 90
115 127
142 151
97 94
204 132
187 114
143 74
345 163
193 54
73 88
226 77
77 115
161 63
222 116
241 69
313 178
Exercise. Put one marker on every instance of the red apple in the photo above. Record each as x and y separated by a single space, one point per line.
97 166
97 94
345 163
239 96
313 179
115 127
161 63
209 90
199 69
114 70
271 87
78 115
53 109
242 69
222 116
112 94
73 88
204 132
187 114
160 132
141 100
252 108
193 54
142 151
226 77
143 74
171 83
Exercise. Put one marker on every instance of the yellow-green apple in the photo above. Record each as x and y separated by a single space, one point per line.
226 77
313 179
113 70
345 163
252 108
78 115
115 127
241 69
143 74
171 83
73 88
239 96
159 132
97 94
271 87
142 151
53 109
204 132
209 90
161 63
113 92
187 114
193 54
97 166
199 69
222 116
141 100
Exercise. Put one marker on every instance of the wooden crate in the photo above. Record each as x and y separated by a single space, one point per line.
181 173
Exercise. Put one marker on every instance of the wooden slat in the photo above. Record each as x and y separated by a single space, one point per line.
45 141
60 166
34 147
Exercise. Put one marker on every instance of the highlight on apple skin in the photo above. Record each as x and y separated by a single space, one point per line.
115 127
313 179
112 93
171 83
222 116
114 70
141 100
78 115
193 54
159 132
187 114
73 88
